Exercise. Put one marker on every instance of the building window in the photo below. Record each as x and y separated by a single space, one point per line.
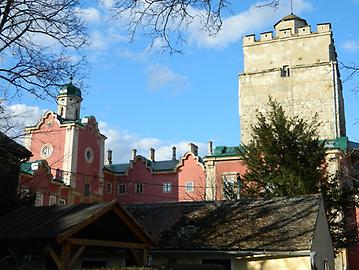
109 188
139 188
52 200
62 111
62 202
189 186
87 189
231 186
285 71
121 189
167 187
39 199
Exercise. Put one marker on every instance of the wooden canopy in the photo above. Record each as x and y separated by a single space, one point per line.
65 231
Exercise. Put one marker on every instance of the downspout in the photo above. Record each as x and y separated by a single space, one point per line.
336 99
312 261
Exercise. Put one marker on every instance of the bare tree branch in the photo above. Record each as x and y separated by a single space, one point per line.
38 40
165 20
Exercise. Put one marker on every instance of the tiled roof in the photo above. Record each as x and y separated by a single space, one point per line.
280 224
25 167
44 222
163 165
118 168
9 146
155 166
222 151
49 223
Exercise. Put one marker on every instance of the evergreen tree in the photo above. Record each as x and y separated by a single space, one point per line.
285 158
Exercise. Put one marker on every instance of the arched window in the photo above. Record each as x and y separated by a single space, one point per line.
62 111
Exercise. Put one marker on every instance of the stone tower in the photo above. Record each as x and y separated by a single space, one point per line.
296 67
69 102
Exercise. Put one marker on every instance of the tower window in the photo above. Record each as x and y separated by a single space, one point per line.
285 71
62 111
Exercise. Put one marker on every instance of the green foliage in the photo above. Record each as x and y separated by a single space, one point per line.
284 156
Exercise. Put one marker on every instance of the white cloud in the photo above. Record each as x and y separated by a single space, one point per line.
351 45
88 14
16 117
160 77
107 3
246 22
97 41
122 142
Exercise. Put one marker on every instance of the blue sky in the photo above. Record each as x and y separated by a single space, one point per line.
146 99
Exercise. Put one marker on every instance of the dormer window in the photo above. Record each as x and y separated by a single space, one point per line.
285 71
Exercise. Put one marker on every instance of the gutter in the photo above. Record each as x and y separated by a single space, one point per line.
238 253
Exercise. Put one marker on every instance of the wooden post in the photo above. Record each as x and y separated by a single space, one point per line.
65 255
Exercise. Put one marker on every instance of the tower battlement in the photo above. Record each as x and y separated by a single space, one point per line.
286 33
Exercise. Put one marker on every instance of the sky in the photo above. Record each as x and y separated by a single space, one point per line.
146 98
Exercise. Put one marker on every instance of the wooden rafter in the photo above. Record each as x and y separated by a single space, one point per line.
103 243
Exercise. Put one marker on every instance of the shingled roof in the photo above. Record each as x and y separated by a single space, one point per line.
280 224
99 221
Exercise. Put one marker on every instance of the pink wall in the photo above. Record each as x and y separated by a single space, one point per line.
53 135
88 171
191 171
153 183
225 166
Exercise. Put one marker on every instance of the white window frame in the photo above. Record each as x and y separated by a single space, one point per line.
52 200
139 188
119 189
189 186
39 199
167 187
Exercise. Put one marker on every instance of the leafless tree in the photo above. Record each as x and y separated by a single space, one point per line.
163 21
38 43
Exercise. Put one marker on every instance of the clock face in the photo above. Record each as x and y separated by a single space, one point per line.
89 154
46 150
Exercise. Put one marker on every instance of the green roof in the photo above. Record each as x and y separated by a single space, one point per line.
155 166
70 89
221 151
25 167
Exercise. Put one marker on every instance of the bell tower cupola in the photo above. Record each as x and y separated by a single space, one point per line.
69 101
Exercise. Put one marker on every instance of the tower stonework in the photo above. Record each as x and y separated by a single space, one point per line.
299 69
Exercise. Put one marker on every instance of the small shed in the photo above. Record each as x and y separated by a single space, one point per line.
246 234
64 232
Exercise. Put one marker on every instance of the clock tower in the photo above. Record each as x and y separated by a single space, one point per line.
73 147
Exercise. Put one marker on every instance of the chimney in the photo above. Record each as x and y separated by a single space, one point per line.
193 148
210 148
109 156
174 153
134 153
152 154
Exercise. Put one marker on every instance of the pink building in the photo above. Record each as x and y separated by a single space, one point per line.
67 162
148 180
224 170
67 166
